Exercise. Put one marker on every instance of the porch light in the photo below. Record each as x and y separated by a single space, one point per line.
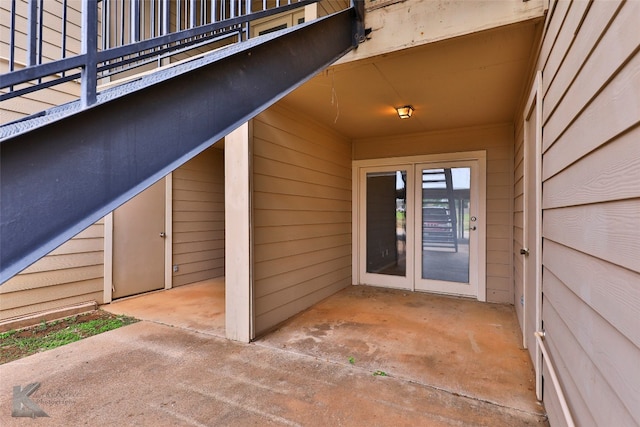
405 112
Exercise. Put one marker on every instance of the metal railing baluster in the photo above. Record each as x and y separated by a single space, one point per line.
192 14
89 50
63 42
129 33
12 39
135 20
32 32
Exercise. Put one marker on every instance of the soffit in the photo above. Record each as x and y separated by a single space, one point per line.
466 81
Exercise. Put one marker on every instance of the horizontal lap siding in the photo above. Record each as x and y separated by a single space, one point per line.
25 105
498 142
71 274
301 214
591 206
518 224
198 218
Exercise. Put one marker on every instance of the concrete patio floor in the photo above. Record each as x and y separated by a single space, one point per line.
450 362
197 307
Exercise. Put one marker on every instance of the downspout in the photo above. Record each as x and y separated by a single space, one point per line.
554 379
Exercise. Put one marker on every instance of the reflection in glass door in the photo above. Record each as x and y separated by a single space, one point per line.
446 208
419 226
387 225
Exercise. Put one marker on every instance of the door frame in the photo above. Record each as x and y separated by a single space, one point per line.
357 165
532 211
168 244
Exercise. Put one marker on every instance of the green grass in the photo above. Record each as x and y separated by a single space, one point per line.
65 331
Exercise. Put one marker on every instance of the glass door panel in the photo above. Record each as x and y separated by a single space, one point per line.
445 206
388 258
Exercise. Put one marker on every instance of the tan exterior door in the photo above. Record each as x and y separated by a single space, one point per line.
138 243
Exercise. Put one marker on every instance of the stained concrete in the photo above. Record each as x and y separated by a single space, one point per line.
197 307
151 373
459 345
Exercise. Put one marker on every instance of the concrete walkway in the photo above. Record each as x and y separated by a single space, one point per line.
154 374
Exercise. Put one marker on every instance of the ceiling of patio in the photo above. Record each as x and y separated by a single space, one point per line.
472 80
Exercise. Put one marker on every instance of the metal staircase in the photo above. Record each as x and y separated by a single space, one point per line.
440 225
64 169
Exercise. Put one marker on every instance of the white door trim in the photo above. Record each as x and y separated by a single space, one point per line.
168 230
108 258
357 233
533 109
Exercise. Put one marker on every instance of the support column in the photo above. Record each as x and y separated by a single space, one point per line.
238 235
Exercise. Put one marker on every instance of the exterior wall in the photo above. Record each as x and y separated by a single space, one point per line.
71 274
591 204
518 221
15 109
498 142
302 215
198 218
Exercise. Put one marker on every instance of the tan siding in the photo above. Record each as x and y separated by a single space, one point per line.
618 382
18 108
594 23
609 173
518 223
603 92
566 351
302 215
73 273
198 218
575 12
52 29
604 230
498 141
591 200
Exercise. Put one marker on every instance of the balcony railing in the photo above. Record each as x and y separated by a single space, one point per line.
61 43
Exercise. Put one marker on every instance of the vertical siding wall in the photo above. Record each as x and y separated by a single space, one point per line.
302 215
71 274
498 142
591 209
198 218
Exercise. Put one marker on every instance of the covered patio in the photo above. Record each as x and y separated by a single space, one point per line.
454 361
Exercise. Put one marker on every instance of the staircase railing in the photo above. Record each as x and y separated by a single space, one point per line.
117 35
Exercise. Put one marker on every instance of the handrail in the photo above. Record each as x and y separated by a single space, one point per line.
118 26
554 379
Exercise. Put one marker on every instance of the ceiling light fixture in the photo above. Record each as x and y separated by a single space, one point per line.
405 112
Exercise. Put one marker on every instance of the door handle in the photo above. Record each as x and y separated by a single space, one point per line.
163 234
473 227
524 251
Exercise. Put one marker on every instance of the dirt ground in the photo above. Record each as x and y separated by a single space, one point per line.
15 345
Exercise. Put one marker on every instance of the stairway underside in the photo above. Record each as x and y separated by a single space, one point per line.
61 172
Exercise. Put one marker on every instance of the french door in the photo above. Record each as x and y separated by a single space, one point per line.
421 226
